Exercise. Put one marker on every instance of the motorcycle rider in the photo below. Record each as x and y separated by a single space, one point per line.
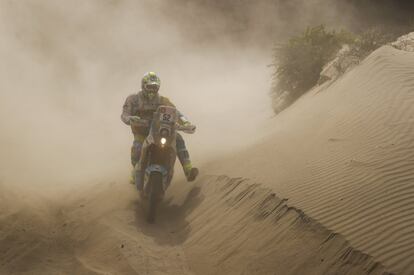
142 105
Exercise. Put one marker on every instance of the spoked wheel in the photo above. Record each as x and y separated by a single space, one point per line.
155 195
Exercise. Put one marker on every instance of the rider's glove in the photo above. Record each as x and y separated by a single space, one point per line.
191 128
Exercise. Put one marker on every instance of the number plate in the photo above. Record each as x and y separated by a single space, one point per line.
167 114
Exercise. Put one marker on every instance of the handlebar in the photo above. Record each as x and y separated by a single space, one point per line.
186 129
189 129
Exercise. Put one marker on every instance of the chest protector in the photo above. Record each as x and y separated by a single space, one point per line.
145 108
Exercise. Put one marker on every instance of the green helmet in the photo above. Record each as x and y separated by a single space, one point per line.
150 84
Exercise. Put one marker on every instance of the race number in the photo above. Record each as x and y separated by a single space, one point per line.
167 114
166 117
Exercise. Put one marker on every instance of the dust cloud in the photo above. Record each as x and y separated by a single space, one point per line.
67 67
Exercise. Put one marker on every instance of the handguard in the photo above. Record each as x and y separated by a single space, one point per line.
188 129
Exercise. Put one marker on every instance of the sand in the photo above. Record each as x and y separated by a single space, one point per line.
218 225
330 190
344 154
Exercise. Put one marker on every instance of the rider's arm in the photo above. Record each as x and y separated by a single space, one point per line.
127 111
182 120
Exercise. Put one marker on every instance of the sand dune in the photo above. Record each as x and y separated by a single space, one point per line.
329 191
344 154
217 226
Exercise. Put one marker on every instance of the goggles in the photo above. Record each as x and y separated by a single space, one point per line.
152 87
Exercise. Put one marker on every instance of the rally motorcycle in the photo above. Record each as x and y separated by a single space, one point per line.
158 155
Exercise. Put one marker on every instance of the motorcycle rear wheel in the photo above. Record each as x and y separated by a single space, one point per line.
156 190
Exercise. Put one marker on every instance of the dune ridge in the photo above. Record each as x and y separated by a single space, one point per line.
253 231
219 225
344 154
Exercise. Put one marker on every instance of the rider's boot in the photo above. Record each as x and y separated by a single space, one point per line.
190 172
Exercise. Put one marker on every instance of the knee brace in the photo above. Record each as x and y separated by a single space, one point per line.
136 152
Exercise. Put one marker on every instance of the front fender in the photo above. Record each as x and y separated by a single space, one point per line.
156 168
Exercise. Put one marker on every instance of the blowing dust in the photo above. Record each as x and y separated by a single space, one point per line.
67 68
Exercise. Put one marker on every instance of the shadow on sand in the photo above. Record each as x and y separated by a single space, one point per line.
171 226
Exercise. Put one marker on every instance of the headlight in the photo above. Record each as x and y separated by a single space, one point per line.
163 141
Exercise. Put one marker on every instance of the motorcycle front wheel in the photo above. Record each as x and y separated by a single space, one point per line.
155 195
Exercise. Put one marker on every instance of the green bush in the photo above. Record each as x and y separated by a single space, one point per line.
369 41
299 61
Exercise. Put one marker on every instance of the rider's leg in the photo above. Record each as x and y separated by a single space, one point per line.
184 157
136 155
135 152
